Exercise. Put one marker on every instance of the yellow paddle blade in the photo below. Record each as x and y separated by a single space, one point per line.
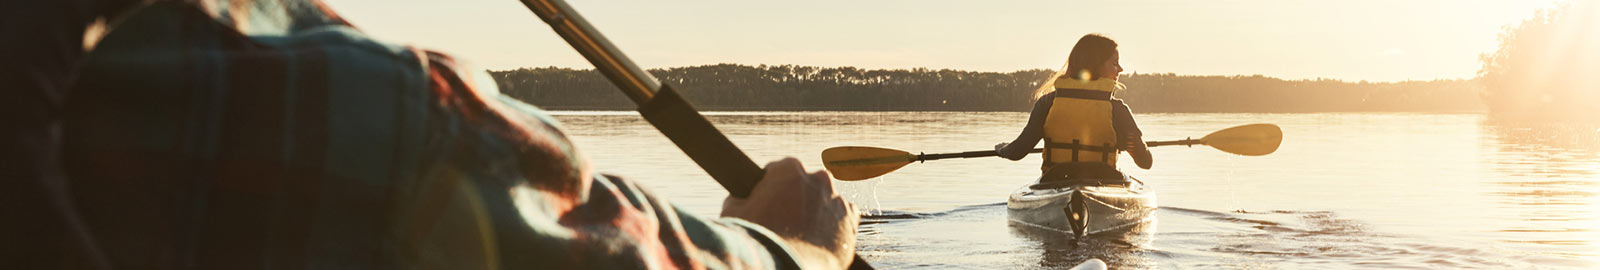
851 163
1249 140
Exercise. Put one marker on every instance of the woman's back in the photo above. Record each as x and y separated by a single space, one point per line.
1076 115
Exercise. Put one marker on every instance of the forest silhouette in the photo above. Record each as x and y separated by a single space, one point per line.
1544 70
731 87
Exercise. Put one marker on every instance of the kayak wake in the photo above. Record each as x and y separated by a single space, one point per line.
886 216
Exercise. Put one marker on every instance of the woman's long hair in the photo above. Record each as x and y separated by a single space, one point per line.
1091 52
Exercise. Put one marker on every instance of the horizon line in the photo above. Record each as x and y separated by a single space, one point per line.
1132 72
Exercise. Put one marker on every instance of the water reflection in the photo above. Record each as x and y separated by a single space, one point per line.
1120 249
1350 191
1545 177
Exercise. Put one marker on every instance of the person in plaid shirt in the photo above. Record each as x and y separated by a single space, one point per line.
271 134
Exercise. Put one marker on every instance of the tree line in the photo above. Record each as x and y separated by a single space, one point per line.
731 87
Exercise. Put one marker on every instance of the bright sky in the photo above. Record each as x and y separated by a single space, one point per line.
1375 40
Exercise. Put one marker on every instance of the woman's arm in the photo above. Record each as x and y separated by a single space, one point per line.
1031 134
1132 137
1140 153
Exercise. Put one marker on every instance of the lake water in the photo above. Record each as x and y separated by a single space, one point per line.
1345 190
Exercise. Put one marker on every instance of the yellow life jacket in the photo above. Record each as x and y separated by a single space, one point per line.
1078 128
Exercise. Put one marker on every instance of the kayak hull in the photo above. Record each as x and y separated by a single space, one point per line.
1081 208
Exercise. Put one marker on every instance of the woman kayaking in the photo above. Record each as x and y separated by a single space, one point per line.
1083 127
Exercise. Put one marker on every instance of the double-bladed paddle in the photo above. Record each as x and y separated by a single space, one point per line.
851 163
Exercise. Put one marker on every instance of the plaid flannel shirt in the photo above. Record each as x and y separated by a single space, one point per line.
273 135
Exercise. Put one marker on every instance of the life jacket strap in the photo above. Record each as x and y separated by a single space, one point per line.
1106 155
1104 148
1075 143
1082 94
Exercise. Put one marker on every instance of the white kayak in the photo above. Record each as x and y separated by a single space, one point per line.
1091 264
1083 207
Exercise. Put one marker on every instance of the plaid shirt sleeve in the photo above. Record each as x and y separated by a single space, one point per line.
194 140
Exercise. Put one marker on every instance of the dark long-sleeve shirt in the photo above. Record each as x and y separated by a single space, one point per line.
40 41
274 135
1121 120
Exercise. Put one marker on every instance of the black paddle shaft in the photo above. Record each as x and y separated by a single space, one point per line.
659 104
704 144
968 154
973 154
1185 142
